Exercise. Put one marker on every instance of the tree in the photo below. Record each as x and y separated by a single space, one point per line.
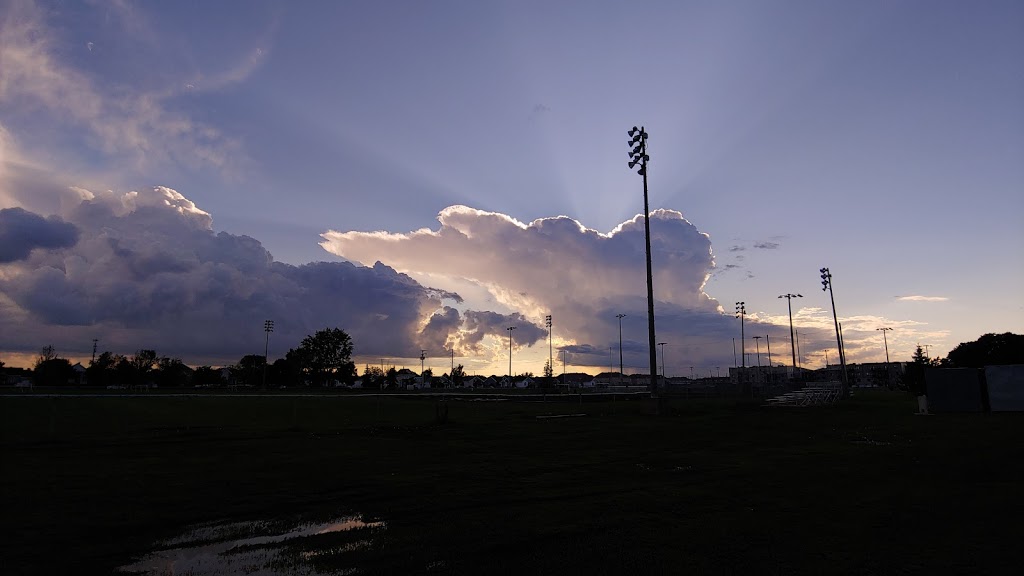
142 365
101 370
373 377
46 353
989 350
327 356
53 372
913 374
548 372
249 370
458 376
172 372
207 376
391 378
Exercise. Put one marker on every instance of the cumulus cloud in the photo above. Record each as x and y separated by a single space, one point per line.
149 271
558 266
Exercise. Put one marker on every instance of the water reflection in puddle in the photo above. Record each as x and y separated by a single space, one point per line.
250 548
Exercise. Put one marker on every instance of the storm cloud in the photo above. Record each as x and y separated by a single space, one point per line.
22 231
149 271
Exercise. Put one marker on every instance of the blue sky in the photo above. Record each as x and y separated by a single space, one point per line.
881 139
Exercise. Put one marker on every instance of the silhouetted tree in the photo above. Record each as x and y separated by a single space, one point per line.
913 374
326 356
171 372
142 363
46 353
373 377
391 378
249 370
51 370
548 372
458 375
989 350
207 376
101 370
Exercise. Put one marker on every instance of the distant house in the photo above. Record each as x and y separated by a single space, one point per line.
475 382
79 374
523 382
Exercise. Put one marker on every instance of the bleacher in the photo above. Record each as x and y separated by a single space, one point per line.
817 394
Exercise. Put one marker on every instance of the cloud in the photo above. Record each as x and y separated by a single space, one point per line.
736 248
149 271
766 245
917 298
557 266
124 122
22 231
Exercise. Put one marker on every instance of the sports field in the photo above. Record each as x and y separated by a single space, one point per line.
89 485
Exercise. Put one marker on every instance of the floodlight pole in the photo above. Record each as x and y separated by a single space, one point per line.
826 283
551 367
792 338
620 317
639 156
886 342
662 344
510 329
268 327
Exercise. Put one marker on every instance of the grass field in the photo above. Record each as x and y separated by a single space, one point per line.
718 486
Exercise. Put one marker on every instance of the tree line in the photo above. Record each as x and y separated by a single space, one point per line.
320 359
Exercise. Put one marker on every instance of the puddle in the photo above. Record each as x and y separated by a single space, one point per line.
250 548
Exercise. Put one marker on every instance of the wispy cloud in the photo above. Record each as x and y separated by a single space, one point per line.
919 298
766 245
122 121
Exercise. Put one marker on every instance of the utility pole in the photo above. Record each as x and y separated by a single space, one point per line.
94 341
638 155
768 341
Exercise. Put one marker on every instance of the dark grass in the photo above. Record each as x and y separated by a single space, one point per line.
718 486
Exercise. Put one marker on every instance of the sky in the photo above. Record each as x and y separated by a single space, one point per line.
425 175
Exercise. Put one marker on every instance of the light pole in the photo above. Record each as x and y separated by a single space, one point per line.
423 356
792 339
638 155
741 311
620 317
768 341
799 357
551 367
886 342
757 344
510 329
826 284
662 344
94 341
268 327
